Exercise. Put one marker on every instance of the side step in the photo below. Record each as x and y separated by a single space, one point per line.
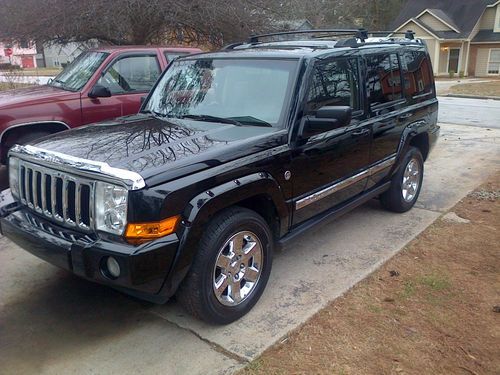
331 214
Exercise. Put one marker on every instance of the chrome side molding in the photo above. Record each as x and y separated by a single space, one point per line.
301 203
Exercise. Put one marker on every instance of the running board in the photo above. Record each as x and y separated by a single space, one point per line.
331 214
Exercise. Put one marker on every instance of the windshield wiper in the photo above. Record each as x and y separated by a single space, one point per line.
209 118
250 120
62 84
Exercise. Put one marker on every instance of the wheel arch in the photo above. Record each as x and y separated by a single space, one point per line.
259 192
7 136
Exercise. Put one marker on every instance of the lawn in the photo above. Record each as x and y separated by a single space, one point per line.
433 308
10 86
480 89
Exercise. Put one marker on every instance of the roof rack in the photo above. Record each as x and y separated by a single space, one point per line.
345 37
357 33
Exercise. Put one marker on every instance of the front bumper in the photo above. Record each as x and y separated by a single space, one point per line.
143 268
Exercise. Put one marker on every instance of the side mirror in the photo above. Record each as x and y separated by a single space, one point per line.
326 118
99 91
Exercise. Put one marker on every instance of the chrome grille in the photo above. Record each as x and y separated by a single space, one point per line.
62 197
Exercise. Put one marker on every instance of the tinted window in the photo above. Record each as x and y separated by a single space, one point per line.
383 78
133 73
334 83
417 74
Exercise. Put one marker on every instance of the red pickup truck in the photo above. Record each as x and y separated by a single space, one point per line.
98 85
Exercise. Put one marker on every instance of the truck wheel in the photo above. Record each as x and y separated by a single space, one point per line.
231 268
406 183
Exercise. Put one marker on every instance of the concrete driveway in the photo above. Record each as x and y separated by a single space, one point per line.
52 322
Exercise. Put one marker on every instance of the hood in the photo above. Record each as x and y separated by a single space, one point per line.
150 146
32 95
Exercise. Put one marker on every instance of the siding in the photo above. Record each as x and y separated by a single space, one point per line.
488 19
433 22
431 45
419 32
483 54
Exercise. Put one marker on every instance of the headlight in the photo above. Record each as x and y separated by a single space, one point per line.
111 208
14 176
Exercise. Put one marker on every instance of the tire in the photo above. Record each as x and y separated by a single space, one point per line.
199 293
405 184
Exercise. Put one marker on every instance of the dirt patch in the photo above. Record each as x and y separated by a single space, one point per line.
433 308
478 89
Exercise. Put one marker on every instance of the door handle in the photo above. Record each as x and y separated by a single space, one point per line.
360 133
405 116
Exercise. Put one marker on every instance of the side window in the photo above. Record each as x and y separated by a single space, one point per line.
417 75
383 78
131 74
334 83
173 55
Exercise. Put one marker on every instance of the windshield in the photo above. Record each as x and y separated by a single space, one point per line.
81 69
245 91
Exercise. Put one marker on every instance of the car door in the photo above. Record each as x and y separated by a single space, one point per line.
128 77
327 169
386 103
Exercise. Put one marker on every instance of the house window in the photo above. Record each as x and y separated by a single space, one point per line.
494 62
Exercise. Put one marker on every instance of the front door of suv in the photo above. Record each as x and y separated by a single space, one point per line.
328 167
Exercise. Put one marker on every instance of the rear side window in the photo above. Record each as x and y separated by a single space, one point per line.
383 79
334 83
417 75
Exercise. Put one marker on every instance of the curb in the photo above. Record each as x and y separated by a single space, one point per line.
472 96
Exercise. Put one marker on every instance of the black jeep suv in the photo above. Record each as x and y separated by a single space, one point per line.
232 154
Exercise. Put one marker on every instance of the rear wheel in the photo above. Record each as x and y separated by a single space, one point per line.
231 268
406 183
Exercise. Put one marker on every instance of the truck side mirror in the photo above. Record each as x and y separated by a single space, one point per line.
326 118
99 91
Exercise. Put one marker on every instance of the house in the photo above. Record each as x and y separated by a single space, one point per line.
461 35
55 55
23 54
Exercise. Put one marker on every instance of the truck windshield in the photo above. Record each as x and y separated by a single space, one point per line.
238 91
78 73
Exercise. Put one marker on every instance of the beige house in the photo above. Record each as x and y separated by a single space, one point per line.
461 35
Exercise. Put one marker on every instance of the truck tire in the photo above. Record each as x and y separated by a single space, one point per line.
231 268
405 184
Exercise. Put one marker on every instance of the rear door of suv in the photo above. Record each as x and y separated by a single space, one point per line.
386 104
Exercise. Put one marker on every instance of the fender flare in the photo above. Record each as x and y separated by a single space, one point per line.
203 206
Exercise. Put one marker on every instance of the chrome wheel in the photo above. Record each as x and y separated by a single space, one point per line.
237 268
411 180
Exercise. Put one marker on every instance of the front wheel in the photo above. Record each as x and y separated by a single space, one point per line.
406 183
231 268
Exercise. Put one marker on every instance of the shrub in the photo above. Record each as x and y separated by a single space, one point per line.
9 66
461 74
451 73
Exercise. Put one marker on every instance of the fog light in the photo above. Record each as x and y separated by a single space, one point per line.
112 267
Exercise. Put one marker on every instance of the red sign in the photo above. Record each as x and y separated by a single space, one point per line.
8 52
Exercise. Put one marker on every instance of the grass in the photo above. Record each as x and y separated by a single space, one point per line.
43 72
8 86
438 313
479 89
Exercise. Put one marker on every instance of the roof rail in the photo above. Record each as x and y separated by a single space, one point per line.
357 33
408 34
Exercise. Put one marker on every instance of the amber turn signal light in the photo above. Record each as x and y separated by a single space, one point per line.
151 231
